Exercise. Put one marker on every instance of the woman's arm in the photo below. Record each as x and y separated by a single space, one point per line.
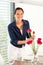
21 42
13 37
25 41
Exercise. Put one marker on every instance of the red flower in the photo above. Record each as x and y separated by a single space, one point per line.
29 42
28 30
39 41
39 38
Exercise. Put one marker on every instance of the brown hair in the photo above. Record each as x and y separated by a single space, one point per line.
18 8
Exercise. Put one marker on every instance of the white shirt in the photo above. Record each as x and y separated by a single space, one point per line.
21 31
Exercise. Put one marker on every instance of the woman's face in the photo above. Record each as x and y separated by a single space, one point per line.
19 15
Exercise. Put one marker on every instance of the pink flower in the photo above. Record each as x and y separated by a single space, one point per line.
29 42
39 41
28 30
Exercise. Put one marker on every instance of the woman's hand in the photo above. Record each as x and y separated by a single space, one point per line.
25 41
21 42
28 39
31 38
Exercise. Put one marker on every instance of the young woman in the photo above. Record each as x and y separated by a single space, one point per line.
17 31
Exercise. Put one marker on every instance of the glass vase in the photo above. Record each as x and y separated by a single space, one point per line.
35 59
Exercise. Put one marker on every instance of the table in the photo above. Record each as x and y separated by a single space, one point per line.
25 63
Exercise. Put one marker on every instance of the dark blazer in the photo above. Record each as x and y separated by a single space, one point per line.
15 34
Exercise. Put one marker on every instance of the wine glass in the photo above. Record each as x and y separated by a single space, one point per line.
35 59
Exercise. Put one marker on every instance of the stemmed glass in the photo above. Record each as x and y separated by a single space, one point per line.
35 59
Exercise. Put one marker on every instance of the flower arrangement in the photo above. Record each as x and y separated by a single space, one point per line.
39 42
31 42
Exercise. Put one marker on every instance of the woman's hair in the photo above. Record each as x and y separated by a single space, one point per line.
18 8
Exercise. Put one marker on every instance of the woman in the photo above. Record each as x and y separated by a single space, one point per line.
17 31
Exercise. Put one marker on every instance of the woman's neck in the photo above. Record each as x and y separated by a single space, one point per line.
18 22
